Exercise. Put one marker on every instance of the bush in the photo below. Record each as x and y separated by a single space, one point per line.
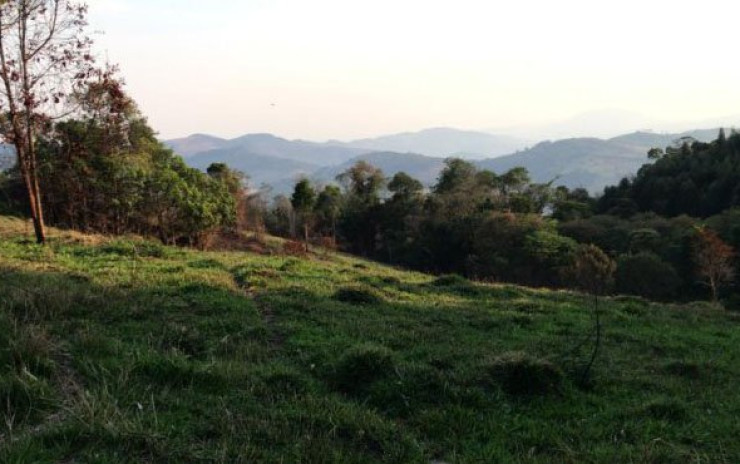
293 248
521 374
457 284
646 275
361 366
451 280
357 296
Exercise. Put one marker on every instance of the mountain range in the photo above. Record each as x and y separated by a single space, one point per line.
586 162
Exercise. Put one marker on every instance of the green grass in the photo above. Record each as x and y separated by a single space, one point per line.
123 351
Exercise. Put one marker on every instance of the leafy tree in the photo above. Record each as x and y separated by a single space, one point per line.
714 260
645 274
328 208
361 217
405 188
548 255
303 201
455 176
235 182
401 218
45 59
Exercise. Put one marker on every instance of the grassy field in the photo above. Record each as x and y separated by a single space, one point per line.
125 351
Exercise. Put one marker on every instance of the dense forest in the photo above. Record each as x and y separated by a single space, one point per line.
672 229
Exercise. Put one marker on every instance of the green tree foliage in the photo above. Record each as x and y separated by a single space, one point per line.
714 261
303 201
107 172
360 221
592 270
328 208
401 219
472 222
693 178
645 274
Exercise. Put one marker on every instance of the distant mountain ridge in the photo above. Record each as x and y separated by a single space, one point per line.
444 142
7 157
587 162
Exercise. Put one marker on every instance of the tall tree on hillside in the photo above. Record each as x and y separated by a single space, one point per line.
45 58
328 207
303 201
714 260
235 183
363 183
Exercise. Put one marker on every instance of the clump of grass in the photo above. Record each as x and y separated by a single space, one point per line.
183 339
688 370
280 380
33 350
665 409
391 280
358 296
24 398
456 283
206 264
451 280
361 366
136 248
519 373
290 264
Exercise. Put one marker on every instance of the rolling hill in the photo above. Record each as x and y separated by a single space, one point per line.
196 143
591 163
261 169
266 145
119 350
444 142
423 168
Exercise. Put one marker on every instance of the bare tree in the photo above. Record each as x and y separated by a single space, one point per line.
45 60
714 261
593 272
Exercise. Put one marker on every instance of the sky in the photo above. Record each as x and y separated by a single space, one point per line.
346 69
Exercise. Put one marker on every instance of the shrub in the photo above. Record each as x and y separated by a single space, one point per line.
357 296
456 283
450 280
646 275
521 374
293 248
361 366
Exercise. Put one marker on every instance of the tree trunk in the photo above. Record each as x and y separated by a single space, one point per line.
32 188
39 226
305 234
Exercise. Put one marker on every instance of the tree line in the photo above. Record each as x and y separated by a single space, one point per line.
86 158
504 227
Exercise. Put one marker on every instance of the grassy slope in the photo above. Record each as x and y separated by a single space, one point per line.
169 355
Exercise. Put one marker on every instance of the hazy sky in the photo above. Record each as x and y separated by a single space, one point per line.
343 69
